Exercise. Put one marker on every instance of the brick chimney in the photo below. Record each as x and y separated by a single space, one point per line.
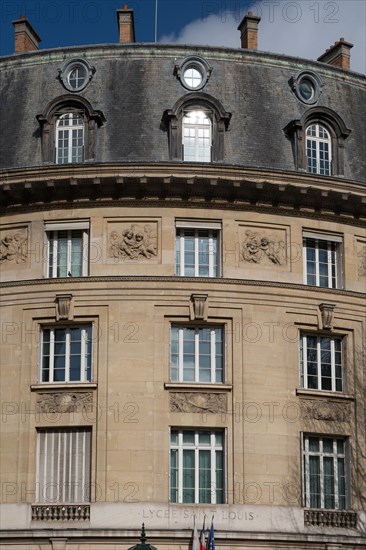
26 38
338 54
126 25
249 31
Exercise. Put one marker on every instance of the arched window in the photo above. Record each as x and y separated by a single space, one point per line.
69 138
318 150
196 126
318 141
197 136
68 128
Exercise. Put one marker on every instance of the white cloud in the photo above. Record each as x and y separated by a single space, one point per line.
303 28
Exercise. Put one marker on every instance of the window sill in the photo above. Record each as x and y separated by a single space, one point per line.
196 386
63 386
324 393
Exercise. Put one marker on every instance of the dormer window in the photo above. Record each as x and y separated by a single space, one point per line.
69 138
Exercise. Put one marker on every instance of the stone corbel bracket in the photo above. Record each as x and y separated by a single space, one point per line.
198 307
326 318
64 307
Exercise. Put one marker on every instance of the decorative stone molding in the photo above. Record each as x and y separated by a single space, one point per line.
198 307
256 248
64 309
13 246
327 316
331 518
327 411
64 402
135 242
194 402
61 512
362 262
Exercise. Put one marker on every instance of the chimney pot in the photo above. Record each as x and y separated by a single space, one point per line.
126 25
25 36
338 55
249 31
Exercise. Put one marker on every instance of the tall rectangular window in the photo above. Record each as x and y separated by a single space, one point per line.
325 472
196 354
69 138
196 466
321 362
66 354
63 465
197 251
67 249
322 260
197 136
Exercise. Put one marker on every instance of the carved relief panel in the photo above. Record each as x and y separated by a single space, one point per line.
13 245
361 259
263 244
198 402
133 241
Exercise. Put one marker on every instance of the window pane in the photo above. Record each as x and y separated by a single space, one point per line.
188 476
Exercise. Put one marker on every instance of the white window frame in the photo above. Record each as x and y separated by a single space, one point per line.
304 362
332 240
197 447
181 227
64 472
213 356
70 132
83 354
69 227
198 128
318 141
321 454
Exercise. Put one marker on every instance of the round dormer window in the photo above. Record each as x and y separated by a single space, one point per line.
193 73
76 74
306 86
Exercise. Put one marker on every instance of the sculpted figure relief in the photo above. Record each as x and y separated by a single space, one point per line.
256 248
198 402
362 263
14 247
133 243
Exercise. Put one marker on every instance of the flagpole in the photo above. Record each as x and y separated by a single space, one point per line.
156 20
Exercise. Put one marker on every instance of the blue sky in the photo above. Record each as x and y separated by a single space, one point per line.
303 28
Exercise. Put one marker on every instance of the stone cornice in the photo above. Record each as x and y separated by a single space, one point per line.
178 184
180 281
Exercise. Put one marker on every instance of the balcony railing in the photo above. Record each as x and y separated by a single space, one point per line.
60 512
331 518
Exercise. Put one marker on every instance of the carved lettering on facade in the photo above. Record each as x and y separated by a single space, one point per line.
64 402
313 409
134 242
362 262
13 247
194 402
256 248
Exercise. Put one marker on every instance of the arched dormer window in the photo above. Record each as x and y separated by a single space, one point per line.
318 141
69 126
70 138
318 150
196 127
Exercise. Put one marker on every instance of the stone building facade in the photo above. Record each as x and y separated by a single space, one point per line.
183 275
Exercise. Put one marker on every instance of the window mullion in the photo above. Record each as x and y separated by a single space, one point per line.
210 254
332 364
84 253
52 355
69 253
321 467
196 468
180 354
196 254
182 253
83 358
329 264
317 270
307 473
213 355
305 360
213 487
180 466
67 355
335 473
197 355
55 254
319 363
